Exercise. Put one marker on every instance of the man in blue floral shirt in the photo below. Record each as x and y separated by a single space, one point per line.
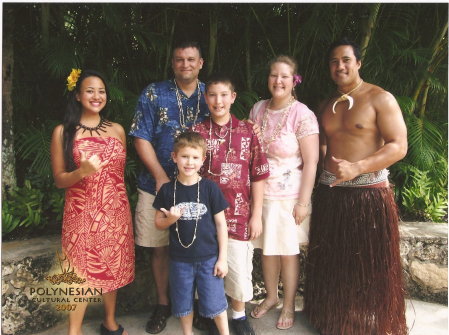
164 110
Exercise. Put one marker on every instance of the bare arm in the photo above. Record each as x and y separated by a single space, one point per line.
221 266
148 157
165 218
323 150
322 137
310 154
255 221
120 133
392 128
64 179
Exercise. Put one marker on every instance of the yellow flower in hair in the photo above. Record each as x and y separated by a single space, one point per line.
73 78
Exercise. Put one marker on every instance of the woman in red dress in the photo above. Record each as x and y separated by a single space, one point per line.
88 155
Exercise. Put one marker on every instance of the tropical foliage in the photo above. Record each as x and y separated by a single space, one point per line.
405 51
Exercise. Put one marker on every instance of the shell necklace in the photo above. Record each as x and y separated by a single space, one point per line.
279 126
218 148
197 214
346 96
182 118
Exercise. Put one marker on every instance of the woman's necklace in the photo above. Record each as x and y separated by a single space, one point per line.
197 213
218 147
182 118
346 96
100 127
277 129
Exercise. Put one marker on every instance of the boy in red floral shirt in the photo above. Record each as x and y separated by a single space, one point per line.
235 161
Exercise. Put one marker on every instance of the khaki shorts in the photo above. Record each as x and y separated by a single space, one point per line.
146 233
238 281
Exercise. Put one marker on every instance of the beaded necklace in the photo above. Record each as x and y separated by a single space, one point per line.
100 127
197 215
277 129
182 118
218 148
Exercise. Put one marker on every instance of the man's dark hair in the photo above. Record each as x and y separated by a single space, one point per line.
220 78
183 44
345 41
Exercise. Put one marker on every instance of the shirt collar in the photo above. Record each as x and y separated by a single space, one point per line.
234 119
173 88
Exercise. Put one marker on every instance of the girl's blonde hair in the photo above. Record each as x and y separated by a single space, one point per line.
290 62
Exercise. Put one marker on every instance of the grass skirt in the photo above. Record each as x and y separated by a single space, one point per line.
353 273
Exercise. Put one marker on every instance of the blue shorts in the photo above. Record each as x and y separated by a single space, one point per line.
185 278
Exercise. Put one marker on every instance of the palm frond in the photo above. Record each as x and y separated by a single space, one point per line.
33 145
425 141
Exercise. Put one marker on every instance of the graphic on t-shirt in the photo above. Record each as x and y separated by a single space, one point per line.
190 210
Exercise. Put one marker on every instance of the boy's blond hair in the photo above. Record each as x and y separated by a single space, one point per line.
190 139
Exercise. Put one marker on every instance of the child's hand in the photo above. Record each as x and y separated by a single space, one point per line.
255 227
221 268
173 214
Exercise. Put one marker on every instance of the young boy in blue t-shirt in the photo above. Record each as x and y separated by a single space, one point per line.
193 209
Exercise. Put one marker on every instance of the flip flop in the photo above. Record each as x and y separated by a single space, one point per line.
262 309
105 331
285 315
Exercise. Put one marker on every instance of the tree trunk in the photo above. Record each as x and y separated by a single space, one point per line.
434 59
168 51
369 28
8 157
248 75
213 32
262 27
45 22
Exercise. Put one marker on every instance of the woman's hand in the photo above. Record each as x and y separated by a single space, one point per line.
300 212
88 166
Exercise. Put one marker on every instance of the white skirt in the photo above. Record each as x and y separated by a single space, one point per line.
281 235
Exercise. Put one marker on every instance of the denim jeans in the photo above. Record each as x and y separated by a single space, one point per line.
185 278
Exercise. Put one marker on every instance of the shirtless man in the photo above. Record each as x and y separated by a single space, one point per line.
354 274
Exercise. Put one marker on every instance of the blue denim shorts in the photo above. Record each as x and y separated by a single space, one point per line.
185 278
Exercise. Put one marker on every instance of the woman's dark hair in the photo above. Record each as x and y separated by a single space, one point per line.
72 117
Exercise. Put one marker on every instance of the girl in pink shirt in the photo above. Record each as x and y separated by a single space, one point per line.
290 139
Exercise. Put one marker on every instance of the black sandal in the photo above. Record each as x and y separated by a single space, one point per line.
158 320
105 331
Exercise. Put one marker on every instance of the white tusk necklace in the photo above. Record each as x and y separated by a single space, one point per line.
346 96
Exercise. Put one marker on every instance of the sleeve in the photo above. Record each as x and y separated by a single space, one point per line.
145 121
160 201
217 202
307 124
254 113
259 167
